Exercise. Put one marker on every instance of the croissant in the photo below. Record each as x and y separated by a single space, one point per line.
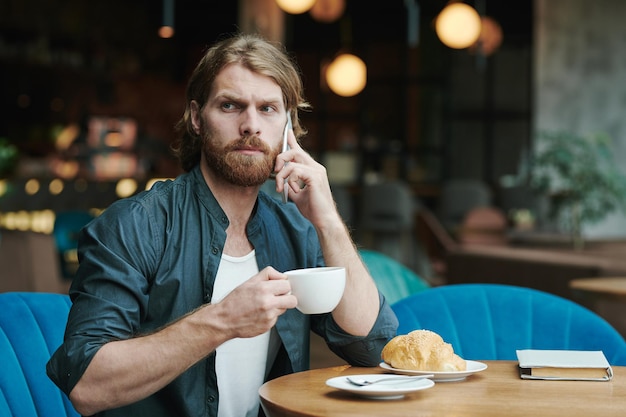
422 350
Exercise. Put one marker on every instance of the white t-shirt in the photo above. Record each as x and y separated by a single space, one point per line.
241 363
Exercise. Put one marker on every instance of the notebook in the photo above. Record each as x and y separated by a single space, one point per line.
575 365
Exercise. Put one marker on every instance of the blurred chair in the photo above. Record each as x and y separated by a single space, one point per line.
492 321
67 224
31 328
386 207
393 279
458 197
386 224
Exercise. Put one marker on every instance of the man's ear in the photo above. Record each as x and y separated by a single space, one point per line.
195 116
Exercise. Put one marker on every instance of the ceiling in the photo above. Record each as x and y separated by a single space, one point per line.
121 35
133 24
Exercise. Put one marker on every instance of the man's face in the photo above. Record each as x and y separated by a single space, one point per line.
241 126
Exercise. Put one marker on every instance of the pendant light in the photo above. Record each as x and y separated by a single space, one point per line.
167 29
458 25
327 11
346 75
295 6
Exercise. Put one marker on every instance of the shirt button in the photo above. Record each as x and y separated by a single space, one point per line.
224 219
211 399
214 251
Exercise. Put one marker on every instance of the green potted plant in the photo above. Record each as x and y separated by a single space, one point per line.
8 158
579 176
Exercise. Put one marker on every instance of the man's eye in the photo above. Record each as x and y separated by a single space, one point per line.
267 109
228 106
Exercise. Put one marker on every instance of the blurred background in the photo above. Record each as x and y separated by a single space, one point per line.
73 71
451 111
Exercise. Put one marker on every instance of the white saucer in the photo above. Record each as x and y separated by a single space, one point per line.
472 368
387 390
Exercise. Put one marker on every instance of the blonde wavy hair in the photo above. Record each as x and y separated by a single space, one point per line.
256 54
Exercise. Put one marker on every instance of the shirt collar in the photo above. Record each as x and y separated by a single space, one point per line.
206 197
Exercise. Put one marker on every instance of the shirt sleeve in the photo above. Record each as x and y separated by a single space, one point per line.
359 350
109 293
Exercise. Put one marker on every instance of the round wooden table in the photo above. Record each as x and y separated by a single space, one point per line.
495 392
613 288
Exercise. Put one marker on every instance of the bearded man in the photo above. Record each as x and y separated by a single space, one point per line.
180 304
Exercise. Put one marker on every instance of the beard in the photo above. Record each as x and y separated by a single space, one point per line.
237 168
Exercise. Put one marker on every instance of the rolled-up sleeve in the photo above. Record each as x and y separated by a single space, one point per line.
109 295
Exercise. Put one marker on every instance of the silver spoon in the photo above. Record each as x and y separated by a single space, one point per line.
361 382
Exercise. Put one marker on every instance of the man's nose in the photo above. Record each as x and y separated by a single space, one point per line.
250 123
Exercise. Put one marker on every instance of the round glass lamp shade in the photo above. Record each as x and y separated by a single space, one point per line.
490 37
458 25
346 76
327 11
166 32
295 6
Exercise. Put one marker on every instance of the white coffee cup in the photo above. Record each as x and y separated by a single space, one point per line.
318 290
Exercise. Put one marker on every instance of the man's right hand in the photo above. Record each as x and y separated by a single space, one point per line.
253 307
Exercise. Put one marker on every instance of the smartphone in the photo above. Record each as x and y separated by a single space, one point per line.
288 127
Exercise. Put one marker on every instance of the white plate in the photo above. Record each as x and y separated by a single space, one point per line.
387 390
472 368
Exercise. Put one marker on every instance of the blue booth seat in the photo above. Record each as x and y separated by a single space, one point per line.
393 279
31 328
492 321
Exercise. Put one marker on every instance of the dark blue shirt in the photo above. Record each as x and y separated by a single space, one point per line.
152 258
